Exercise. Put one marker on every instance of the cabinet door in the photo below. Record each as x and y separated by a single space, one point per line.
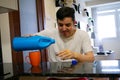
14 21
1 71
41 18
9 4
0 50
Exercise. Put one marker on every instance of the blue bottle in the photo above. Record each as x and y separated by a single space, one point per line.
31 43
101 48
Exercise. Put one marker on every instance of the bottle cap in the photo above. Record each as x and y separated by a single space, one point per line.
74 62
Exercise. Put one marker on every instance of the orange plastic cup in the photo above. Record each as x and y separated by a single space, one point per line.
36 69
34 58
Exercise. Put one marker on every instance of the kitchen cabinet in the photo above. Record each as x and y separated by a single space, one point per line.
8 5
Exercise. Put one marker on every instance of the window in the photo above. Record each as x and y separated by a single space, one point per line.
107 19
106 24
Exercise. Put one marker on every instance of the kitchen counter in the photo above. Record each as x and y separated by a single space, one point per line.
105 56
102 68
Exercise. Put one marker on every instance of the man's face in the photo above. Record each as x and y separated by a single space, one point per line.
66 27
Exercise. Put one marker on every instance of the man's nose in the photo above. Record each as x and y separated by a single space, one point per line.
64 28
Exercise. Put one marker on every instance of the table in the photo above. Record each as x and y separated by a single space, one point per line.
102 68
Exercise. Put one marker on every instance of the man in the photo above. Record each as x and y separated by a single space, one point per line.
70 42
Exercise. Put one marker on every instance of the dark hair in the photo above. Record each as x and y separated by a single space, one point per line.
65 12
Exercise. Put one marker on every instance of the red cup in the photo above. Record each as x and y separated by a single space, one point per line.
34 58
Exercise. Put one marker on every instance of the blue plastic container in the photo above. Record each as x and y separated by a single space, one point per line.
31 43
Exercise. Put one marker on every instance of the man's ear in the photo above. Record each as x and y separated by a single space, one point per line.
75 22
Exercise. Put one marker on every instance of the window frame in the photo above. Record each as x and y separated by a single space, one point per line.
116 7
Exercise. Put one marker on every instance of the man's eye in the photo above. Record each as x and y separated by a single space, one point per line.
60 24
68 25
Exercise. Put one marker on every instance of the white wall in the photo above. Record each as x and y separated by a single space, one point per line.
81 17
50 13
112 44
5 38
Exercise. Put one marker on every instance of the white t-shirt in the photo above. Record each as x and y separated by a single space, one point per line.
79 43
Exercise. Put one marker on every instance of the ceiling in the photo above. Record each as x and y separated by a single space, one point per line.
99 2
